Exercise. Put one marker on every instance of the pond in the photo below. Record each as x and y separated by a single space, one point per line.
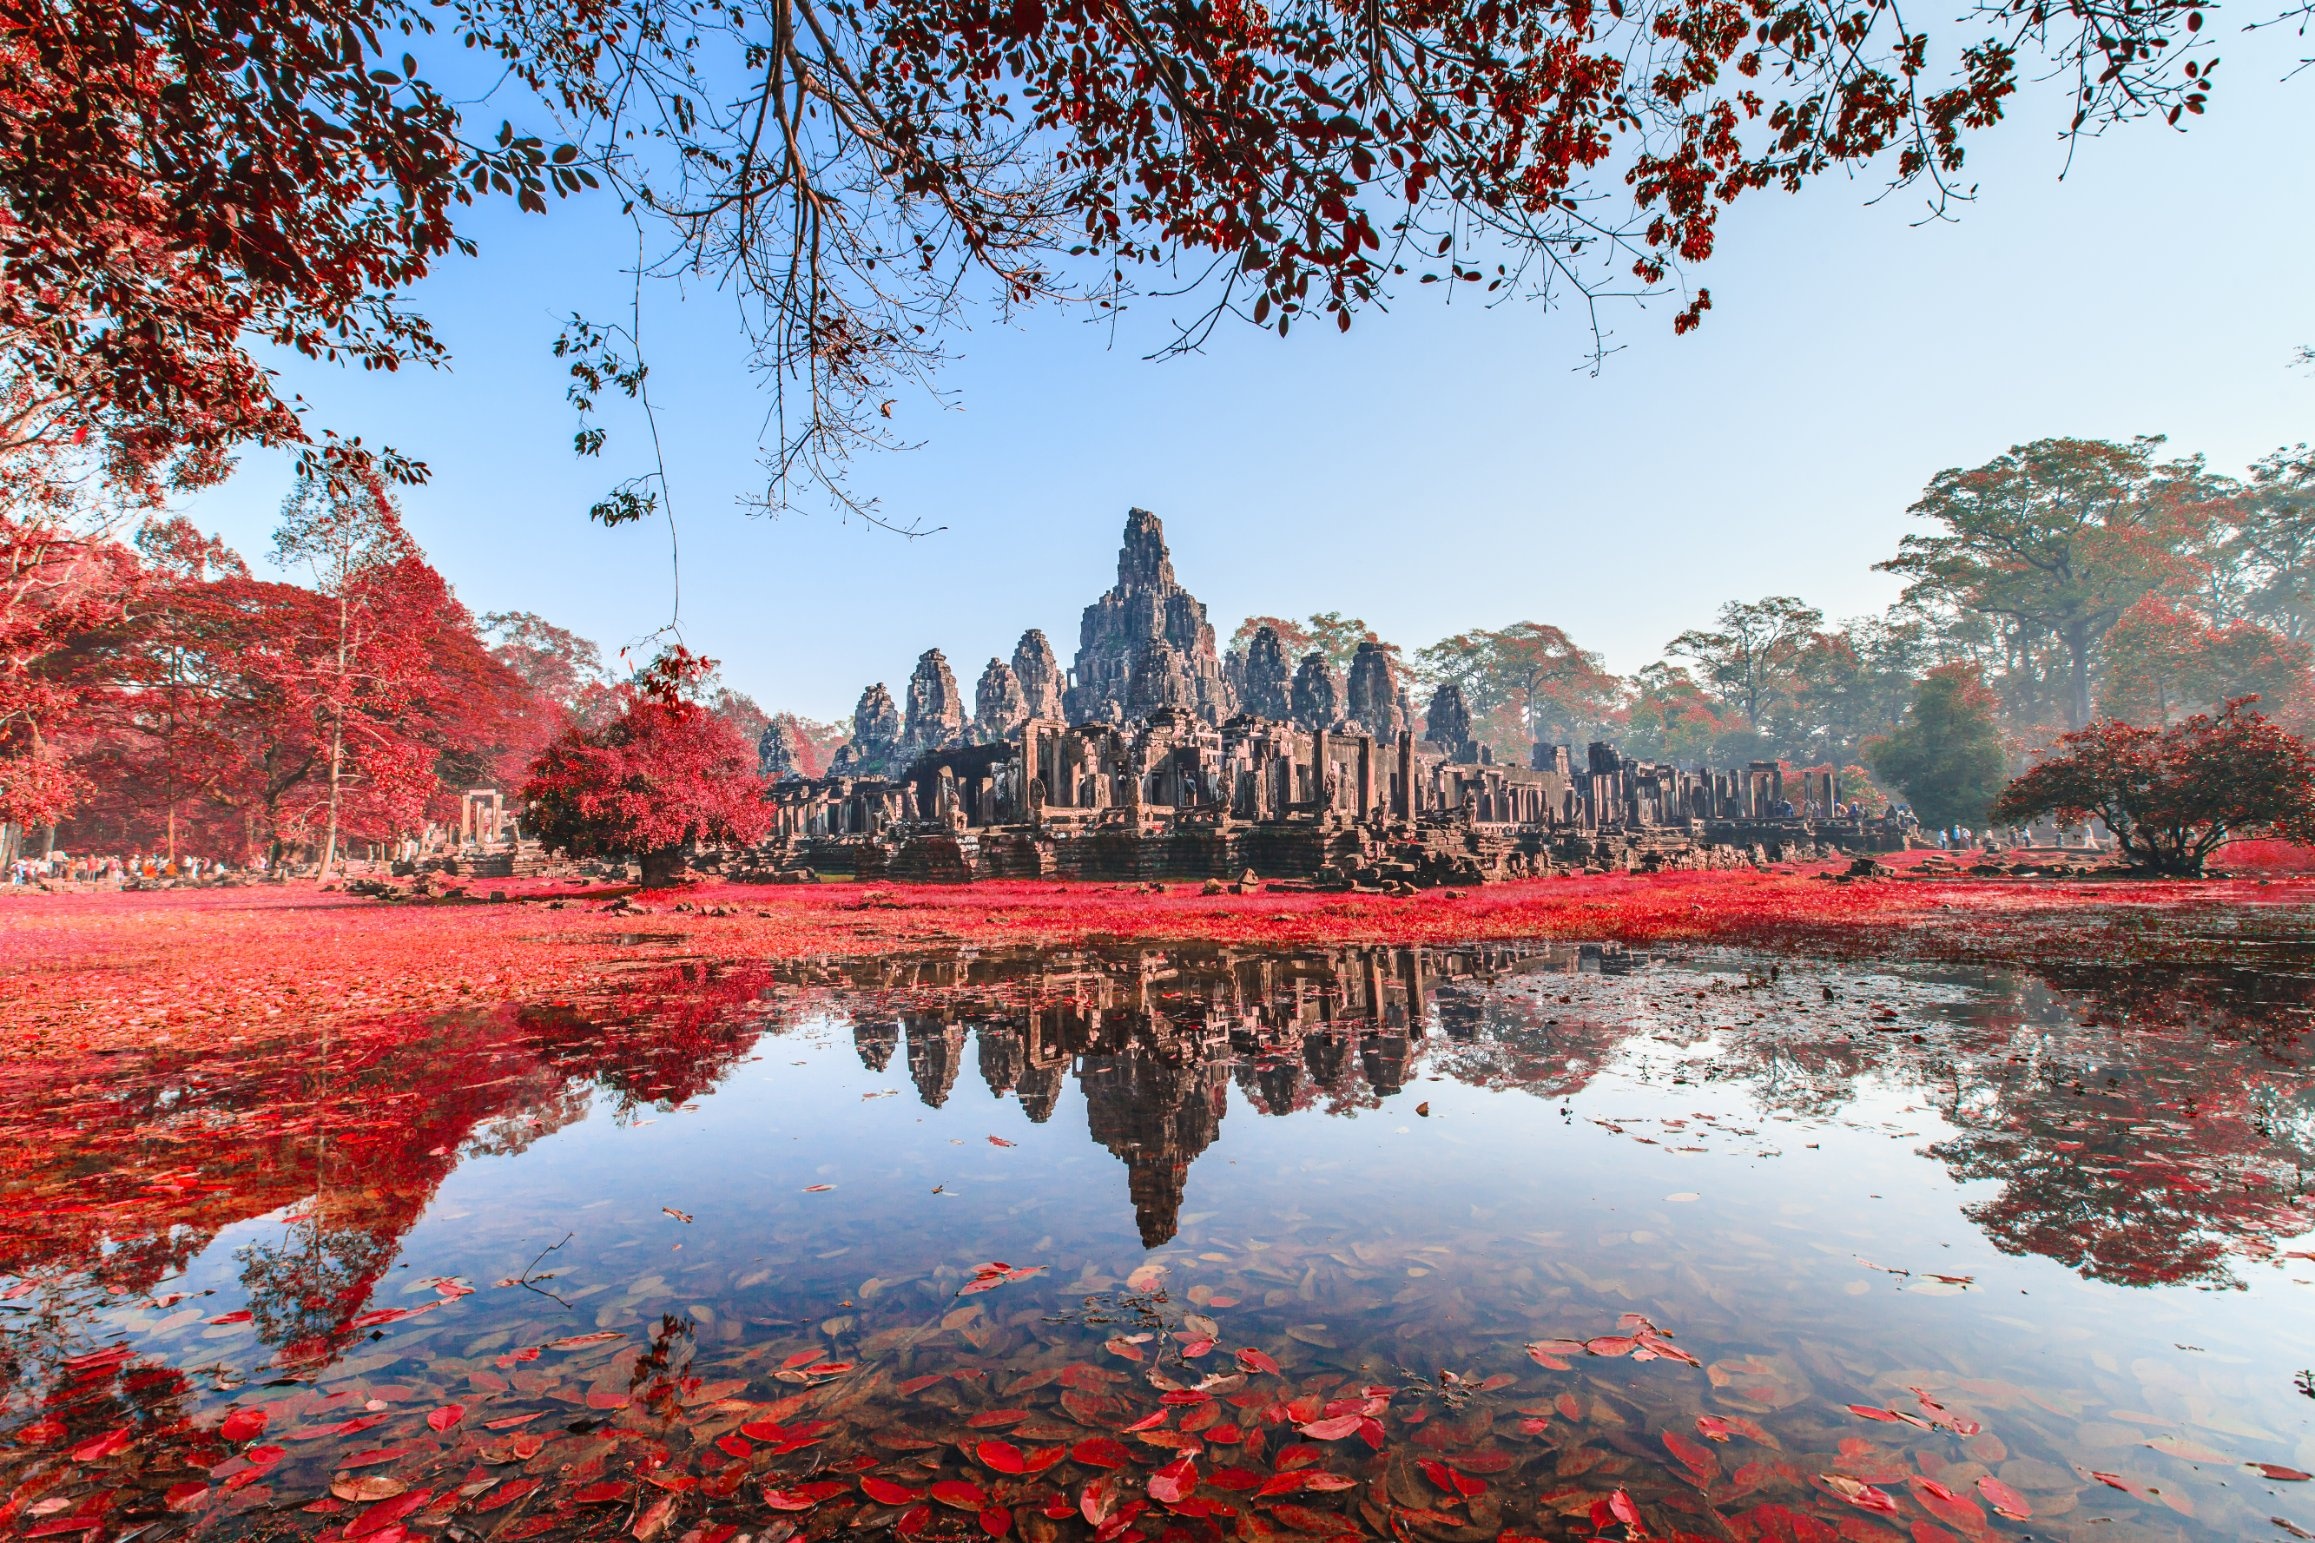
1184 1244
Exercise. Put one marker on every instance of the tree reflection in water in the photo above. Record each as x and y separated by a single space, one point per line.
2140 1126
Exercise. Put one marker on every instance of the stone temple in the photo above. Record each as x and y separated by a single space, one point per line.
1152 758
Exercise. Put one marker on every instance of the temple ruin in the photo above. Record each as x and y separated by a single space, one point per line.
1152 759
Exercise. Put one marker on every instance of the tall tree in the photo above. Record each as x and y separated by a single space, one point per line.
1525 684
1671 717
1752 657
2272 530
2057 538
224 696
556 663
2164 663
361 672
1850 684
162 747
1946 757
63 573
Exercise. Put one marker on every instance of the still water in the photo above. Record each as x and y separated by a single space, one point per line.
1186 1244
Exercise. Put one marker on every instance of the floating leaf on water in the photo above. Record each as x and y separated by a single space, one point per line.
1100 1452
97 1448
959 1494
367 1488
1001 1456
2004 1499
804 1496
1174 1482
386 1513
1860 1494
1331 1429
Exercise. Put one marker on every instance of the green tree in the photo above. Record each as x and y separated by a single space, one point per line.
1849 685
1527 683
2058 538
1671 718
2273 539
1751 659
1946 755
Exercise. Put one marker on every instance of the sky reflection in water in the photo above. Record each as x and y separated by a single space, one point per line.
2048 1234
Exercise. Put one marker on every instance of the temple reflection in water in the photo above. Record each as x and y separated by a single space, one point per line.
1156 1037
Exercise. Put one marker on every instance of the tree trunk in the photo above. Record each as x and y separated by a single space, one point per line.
2077 680
336 762
661 865
337 737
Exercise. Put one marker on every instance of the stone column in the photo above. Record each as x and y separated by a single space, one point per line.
1318 770
1418 1009
1366 777
1408 800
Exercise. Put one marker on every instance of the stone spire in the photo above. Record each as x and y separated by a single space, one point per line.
998 705
875 1040
1147 603
935 1052
1265 684
1448 724
874 748
1039 673
1159 677
1317 697
780 752
1157 1116
1372 700
936 710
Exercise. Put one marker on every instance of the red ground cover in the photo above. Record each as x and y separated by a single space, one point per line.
98 971
2267 857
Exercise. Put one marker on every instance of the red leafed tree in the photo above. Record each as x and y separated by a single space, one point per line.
63 575
2163 662
663 774
224 696
155 750
2173 796
360 660
179 182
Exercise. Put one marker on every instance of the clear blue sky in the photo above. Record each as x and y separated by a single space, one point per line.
1438 468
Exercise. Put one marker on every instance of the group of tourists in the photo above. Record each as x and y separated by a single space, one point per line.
121 871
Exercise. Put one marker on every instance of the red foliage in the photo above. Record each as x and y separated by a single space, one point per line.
2271 857
2173 796
215 705
663 774
2163 662
81 966
176 181
57 582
